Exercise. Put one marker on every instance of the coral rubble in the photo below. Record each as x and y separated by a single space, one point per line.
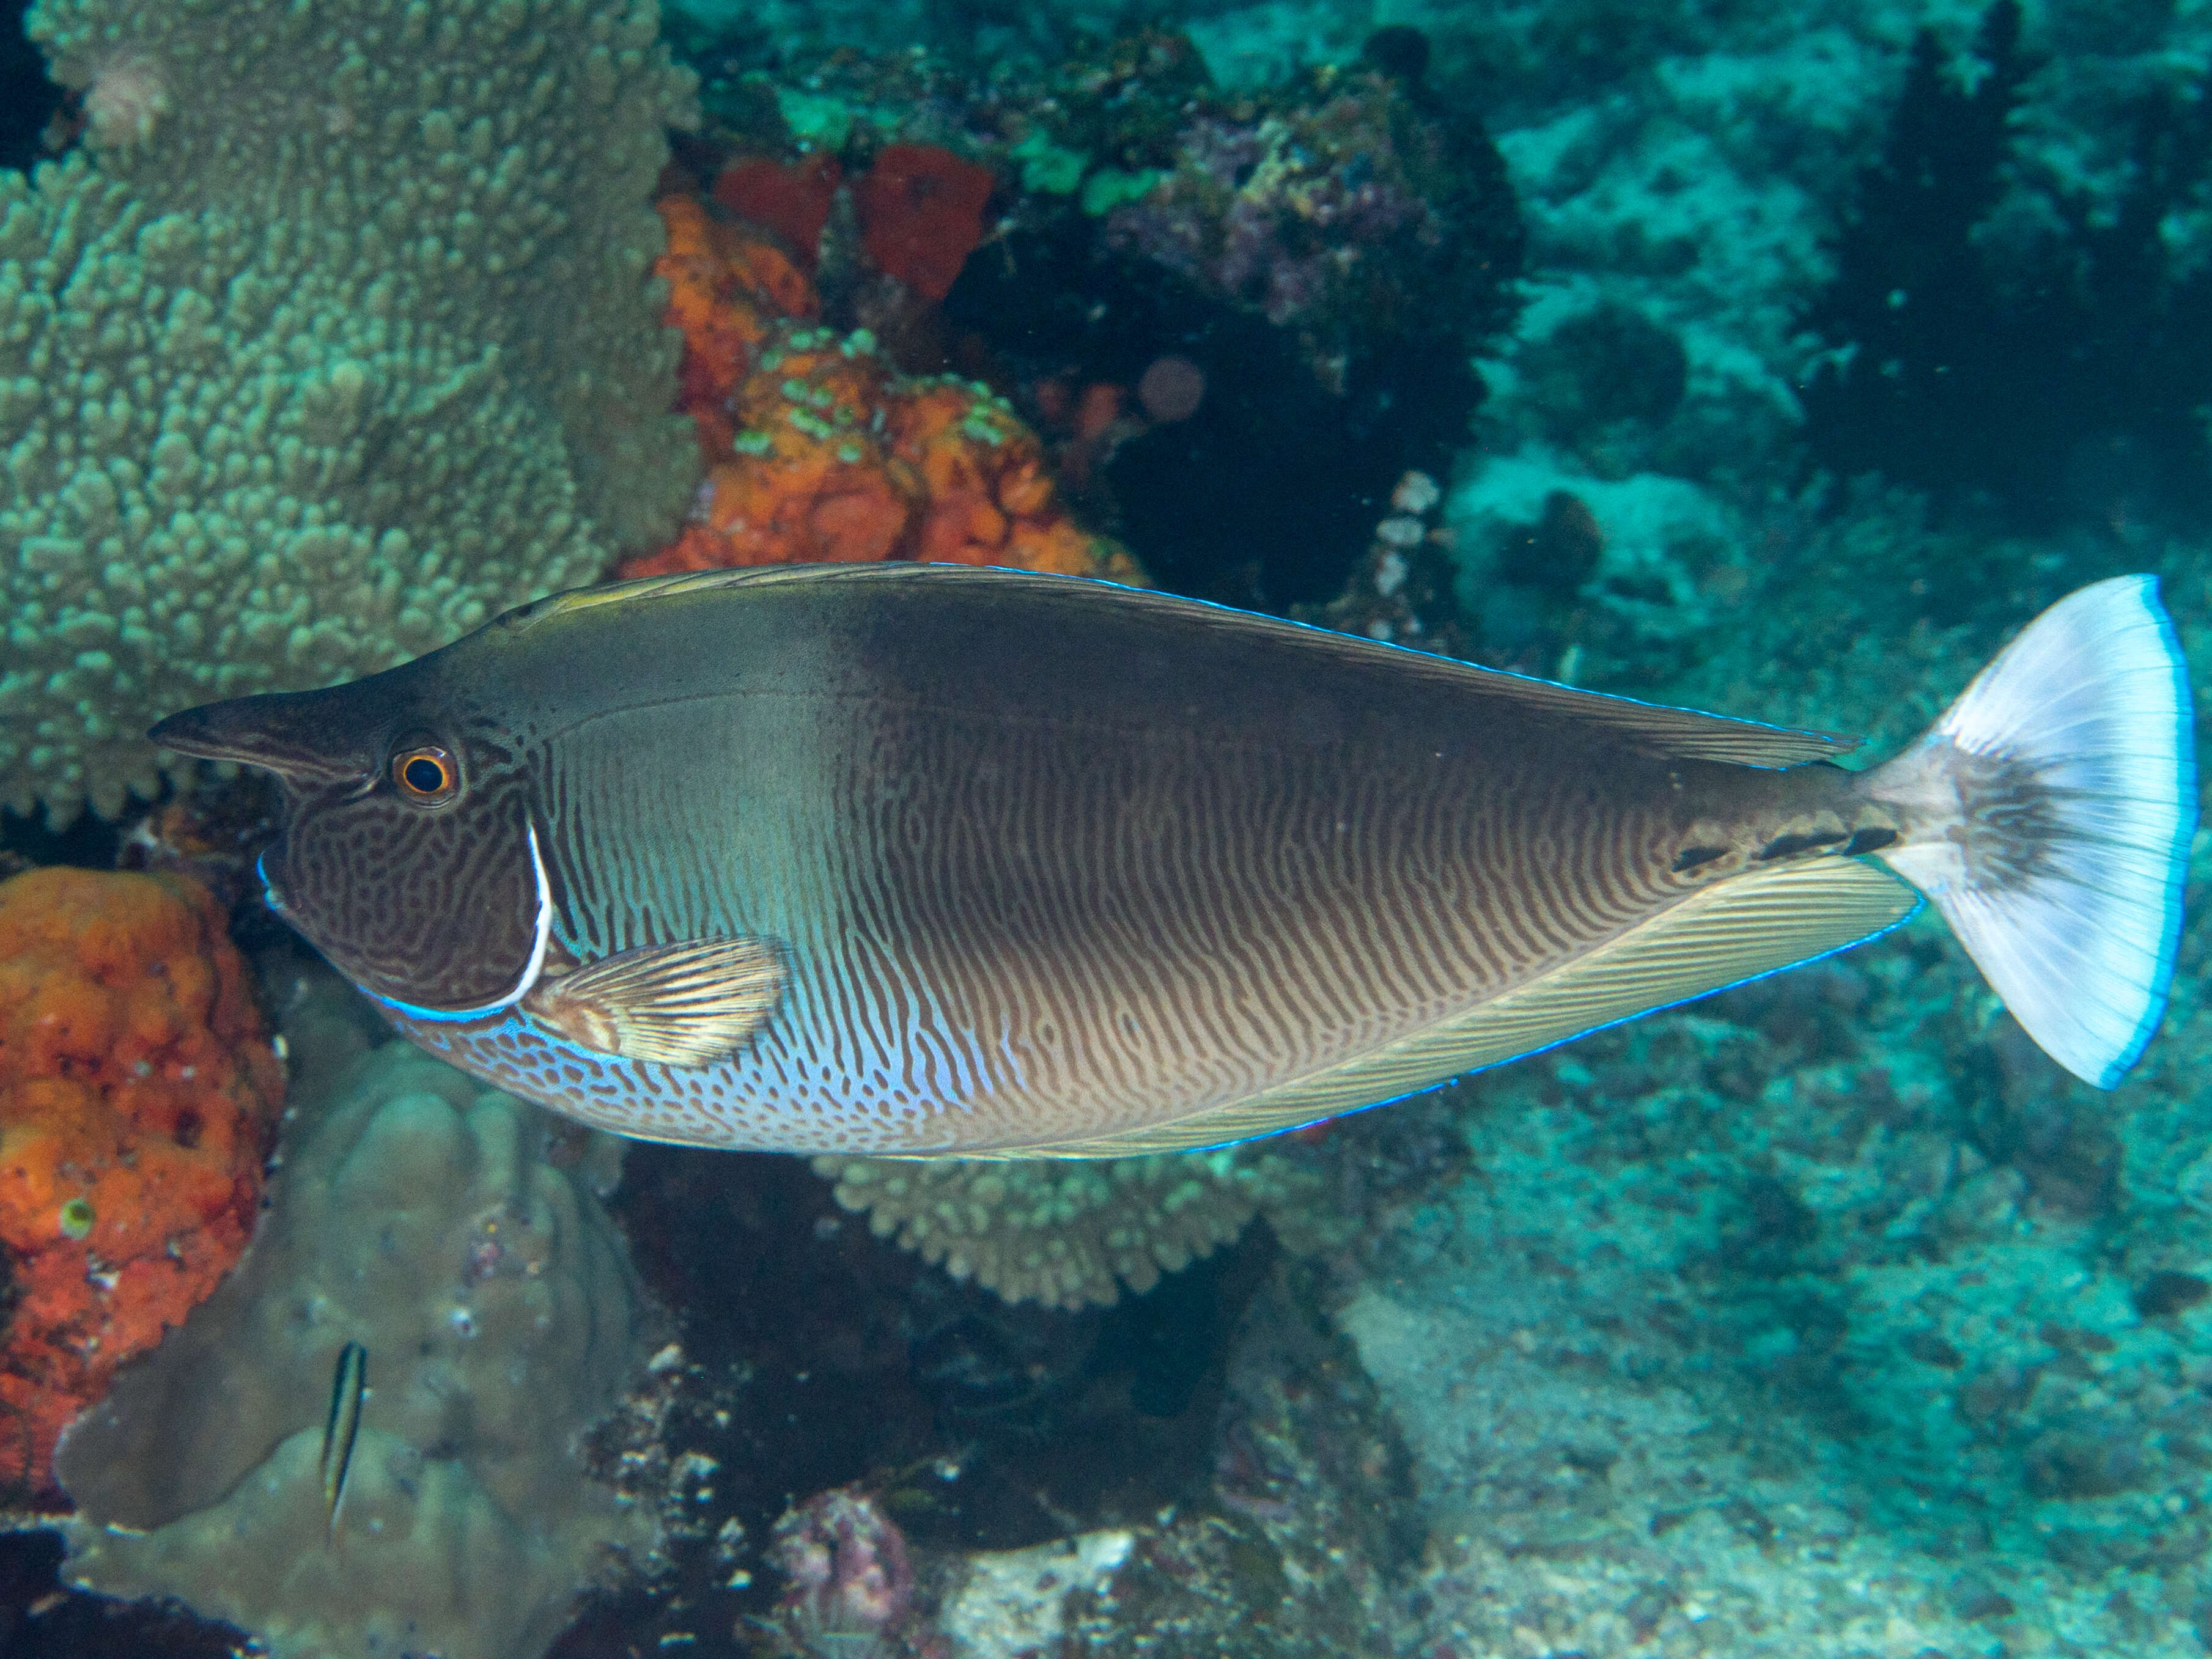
138 1097
427 1220
335 338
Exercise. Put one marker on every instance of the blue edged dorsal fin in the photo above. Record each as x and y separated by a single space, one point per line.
1657 728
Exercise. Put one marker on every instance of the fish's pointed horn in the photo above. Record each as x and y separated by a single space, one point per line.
289 733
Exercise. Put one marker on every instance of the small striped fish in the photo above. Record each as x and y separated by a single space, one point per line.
919 860
349 1394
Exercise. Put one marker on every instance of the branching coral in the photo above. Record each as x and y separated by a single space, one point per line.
1068 1234
137 1098
338 338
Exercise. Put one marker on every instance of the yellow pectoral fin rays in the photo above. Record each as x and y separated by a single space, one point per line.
686 1004
1731 932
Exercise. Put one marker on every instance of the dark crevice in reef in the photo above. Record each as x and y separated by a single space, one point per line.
28 98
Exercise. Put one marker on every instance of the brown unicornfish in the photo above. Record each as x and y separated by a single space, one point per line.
907 859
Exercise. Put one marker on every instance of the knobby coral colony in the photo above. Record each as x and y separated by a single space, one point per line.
137 1101
335 338
428 1220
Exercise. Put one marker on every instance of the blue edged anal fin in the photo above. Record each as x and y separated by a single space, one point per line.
1720 936
686 1004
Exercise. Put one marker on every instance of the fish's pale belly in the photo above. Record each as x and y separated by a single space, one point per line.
817 1084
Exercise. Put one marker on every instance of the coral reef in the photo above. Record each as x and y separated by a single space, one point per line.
1315 264
1612 583
1820 1318
1405 590
138 1097
1808 1316
1068 1234
444 1229
819 449
728 286
336 338
1345 208
1304 1524
1006 1603
1327 254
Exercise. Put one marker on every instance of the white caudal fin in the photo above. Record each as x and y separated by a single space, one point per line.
2048 814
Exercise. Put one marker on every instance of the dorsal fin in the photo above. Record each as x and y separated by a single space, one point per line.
1683 733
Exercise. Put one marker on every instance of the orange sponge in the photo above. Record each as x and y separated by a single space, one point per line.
816 447
836 456
727 284
137 1101
921 214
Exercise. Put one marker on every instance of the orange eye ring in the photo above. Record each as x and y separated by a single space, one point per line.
426 774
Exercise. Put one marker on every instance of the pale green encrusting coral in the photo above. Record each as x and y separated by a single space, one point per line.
339 340
1070 1234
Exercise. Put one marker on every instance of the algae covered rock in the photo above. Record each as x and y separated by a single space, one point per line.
416 1214
336 338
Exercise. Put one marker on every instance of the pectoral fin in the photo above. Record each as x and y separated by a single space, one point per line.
686 1004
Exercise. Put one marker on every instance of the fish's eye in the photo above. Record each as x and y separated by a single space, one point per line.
426 774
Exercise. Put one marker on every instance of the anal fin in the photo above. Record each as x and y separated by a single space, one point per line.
1767 919
686 1004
